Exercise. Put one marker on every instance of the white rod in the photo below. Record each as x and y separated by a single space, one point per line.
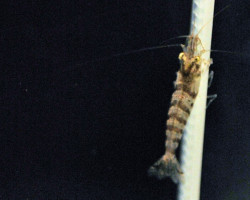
192 144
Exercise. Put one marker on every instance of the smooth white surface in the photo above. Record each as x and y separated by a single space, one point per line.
192 143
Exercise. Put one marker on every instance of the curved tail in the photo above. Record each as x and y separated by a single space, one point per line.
166 166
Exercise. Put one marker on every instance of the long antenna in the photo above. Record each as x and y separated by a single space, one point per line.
134 51
192 144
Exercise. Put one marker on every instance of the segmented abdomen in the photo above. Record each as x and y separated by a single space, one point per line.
181 106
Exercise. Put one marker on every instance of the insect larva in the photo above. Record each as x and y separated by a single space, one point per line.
186 89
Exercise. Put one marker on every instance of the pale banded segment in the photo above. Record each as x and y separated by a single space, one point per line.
180 95
175 122
171 135
171 145
186 89
174 110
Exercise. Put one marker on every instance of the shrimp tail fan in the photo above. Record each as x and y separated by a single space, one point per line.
166 166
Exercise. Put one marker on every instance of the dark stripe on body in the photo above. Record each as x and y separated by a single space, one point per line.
186 89
177 140
178 118
180 109
174 129
180 105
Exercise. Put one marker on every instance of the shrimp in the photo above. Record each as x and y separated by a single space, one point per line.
186 89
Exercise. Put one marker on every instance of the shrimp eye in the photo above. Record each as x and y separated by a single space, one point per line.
197 59
181 55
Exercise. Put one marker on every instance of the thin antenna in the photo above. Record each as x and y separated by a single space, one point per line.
214 17
185 36
147 49
134 51
162 44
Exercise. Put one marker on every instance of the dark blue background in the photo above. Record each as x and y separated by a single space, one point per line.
77 124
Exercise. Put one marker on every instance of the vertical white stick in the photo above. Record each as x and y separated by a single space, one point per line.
192 144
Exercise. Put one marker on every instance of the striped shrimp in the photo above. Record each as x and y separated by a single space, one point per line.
186 90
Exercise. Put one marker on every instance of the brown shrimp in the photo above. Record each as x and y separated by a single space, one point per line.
186 90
